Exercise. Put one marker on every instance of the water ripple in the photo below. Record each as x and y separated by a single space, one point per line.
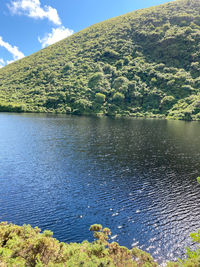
137 177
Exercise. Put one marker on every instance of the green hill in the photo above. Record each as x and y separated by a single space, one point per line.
144 63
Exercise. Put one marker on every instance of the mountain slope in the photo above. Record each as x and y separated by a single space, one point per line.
144 63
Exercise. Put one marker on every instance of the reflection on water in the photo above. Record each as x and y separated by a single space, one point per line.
137 177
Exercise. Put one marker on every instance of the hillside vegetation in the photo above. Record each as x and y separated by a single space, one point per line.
144 63
22 246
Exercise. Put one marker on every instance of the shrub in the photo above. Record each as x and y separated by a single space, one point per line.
118 97
26 246
100 98
95 79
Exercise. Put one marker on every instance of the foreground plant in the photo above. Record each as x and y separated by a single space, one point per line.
27 246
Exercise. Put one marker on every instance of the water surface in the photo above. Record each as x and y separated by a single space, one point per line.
137 177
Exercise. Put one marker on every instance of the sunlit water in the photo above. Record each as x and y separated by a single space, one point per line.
137 177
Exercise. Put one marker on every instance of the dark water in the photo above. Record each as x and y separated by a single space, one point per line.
137 177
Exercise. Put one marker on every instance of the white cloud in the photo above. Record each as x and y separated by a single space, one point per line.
56 35
12 49
2 63
9 61
33 9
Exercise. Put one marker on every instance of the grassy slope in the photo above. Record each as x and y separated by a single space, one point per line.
144 63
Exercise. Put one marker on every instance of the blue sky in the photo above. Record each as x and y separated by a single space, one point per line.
29 25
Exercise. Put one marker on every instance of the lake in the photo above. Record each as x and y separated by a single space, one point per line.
135 176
